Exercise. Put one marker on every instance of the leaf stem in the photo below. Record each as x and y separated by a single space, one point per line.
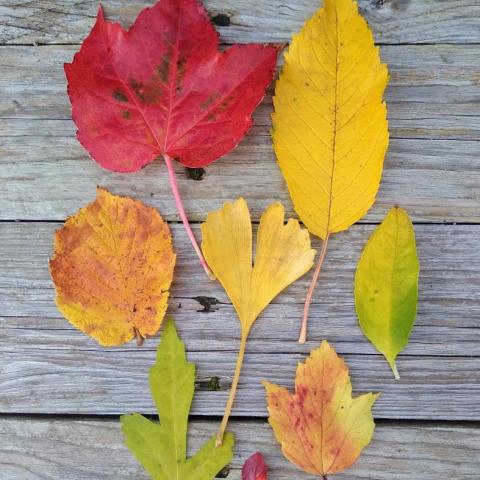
311 289
183 215
395 371
233 390
140 339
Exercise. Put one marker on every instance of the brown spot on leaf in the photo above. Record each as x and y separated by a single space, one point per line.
180 71
164 68
126 114
120 96
209 101
225 104
148 93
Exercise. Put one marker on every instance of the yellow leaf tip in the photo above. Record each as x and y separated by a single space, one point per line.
325 346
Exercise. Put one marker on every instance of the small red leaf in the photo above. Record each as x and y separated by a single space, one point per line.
163 88
254 468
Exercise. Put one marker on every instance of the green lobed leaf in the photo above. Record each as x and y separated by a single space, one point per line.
162 448
386 285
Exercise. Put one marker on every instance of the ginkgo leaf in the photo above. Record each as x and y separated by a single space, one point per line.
386 285
320 427
255 468
162 448
112 268
283 255
163 88
330 129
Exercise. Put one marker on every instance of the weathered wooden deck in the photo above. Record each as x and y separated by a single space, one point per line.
61 394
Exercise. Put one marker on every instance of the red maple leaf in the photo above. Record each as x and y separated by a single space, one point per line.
254 468
163 88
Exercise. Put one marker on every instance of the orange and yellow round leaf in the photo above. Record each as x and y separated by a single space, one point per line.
112 268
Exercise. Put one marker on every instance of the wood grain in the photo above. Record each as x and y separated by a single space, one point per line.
33 86
393 21
440 369
58 449
96 381
48 178
447 321
431 101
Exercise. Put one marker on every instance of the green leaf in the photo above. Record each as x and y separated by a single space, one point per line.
386 285
162 448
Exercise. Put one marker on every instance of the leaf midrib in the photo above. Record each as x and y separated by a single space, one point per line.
334 128
171 367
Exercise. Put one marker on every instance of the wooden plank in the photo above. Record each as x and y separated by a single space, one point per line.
393 21
431 98
56 449
431 89
98 381
440 372
447 322
49 178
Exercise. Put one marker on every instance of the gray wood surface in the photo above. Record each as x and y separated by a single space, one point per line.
447 321
440 368
432 169
59 449
48 178
92 380
393 21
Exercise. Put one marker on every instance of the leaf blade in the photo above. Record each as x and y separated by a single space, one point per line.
161 448
210 459
112 268
329 119
142 438
255 468
320 427
149 91
386 285
283 254
172 380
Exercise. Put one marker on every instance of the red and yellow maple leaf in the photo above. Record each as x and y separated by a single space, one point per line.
321 428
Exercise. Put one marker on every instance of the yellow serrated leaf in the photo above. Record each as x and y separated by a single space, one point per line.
330 131
112 269
320 427
283 254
